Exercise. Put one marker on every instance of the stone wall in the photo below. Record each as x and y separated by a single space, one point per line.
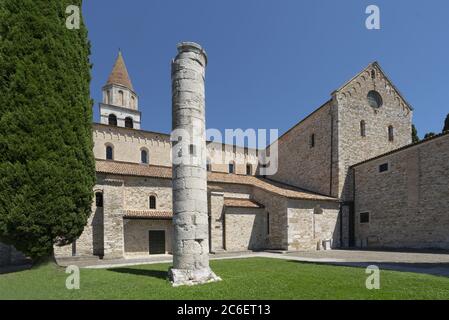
137 236
137 191
245 229
353 107
128 143
276 207
409 204
299 163
312 222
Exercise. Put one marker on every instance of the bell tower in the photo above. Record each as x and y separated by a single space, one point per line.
120 106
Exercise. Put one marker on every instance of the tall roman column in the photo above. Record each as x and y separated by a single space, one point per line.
190 217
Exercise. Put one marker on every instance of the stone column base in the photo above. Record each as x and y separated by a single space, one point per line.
184 277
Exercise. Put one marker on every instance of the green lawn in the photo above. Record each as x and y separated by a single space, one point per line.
255 278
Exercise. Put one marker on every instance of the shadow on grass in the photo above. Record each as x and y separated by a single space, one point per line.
430 268
142 272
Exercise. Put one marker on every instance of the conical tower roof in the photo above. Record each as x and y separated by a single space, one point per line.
119 74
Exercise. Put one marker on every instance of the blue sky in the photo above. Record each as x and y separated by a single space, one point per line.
272 62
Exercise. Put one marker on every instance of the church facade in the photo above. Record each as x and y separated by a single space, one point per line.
348 176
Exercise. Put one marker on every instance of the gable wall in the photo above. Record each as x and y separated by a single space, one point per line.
353 107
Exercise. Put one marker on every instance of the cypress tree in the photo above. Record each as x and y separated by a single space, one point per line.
446 124
47 169
415 137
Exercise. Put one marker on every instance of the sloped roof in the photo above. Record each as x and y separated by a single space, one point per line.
119 74
134 169
148 214
241 203
408 146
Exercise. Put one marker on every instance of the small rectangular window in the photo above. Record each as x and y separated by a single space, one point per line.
312 140
383 167
268 223
193 150
364 217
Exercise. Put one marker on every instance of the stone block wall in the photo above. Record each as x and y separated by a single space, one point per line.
353 107
136 234
299 163
312 222
245 229
137 191
128 143
408 205
276 207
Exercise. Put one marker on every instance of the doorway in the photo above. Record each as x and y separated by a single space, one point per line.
156 242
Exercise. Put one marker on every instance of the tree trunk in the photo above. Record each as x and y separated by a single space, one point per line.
46 260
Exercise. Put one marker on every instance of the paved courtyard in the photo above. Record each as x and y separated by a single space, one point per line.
432 262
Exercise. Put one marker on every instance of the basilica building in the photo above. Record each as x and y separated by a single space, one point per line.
348 176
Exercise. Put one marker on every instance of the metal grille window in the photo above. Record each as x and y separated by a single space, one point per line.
364 217
109 153
152 202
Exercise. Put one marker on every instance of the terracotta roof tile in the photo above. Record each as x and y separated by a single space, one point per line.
241 203
119 74
134 169
148 214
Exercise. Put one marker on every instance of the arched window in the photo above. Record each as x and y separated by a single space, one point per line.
99 199
144 156
108 97
112 119
373 74
129 122
390 133
249 169
133 102
109 153
120 98
152 201
363 128
208 165
231 167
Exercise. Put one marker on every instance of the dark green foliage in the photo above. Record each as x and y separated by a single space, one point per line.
446 124
429 135
415 137
46 162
